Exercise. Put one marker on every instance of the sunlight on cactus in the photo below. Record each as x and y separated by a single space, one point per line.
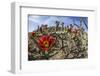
59 41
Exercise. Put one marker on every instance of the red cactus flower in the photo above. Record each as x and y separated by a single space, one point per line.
33 33
45 42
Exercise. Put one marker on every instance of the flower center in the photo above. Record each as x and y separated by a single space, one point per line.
46 43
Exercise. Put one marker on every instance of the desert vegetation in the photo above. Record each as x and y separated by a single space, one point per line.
58 42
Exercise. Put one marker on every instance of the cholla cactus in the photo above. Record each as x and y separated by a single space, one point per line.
68 43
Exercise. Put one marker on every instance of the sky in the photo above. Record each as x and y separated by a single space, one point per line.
37 20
